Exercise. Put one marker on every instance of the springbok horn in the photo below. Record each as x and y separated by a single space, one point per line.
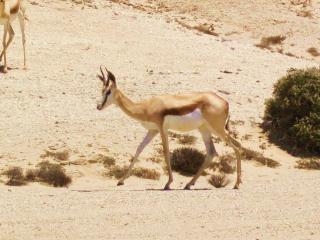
104 77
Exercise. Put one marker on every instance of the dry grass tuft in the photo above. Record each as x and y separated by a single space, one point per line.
146 173
15 176
218 180
59 155
266 42
108 161
308 164
184 138
258 157
118 172
313 51
225 164
31 175
53 174
186 160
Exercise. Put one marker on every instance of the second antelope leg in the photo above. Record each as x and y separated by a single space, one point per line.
211 153
147 139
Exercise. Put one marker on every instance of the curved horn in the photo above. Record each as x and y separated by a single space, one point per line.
104 77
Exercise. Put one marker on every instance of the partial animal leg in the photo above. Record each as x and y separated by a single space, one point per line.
165 144
5 31
11 36
225 136
21 16
211 153
147 139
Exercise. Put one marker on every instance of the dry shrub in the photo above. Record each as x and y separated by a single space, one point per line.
225 164
305 13
118 172
31 175
186 160
218 180
313 51
15 176
146 173
266 42
108 161
308 164
59 155
53 174
184 138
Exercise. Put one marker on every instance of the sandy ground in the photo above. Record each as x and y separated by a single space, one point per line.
52 106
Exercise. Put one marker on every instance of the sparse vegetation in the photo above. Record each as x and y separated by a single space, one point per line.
292 115
53 174
118 172
308 164
225 164
258 157
266 42
31 175
186 160
313 51
15 176
184 138
218 180
58 155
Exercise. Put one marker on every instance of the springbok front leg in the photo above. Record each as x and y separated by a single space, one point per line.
211 153
147 139
165 144
9 30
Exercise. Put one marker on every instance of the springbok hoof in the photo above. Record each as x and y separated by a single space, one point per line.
120 183
187 187
167 187
236 186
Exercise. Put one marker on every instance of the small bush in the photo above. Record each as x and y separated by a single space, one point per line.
265 42
186 160
118 172
218 180
146 173
225 164
15 176
31 175
53 174
184 138
292 116
308 164
59 155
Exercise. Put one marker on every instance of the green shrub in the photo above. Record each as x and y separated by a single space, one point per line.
292 115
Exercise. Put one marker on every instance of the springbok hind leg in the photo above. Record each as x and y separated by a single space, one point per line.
211 153
225 136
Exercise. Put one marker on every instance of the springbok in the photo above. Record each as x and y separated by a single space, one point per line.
204 111
9 10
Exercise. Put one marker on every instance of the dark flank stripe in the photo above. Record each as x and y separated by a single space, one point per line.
15 8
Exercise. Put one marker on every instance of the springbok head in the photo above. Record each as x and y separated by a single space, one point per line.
108 88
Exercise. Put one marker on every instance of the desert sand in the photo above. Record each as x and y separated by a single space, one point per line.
52 106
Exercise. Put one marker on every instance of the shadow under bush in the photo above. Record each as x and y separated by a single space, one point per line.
292 115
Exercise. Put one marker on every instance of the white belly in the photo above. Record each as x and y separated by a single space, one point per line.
183 123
